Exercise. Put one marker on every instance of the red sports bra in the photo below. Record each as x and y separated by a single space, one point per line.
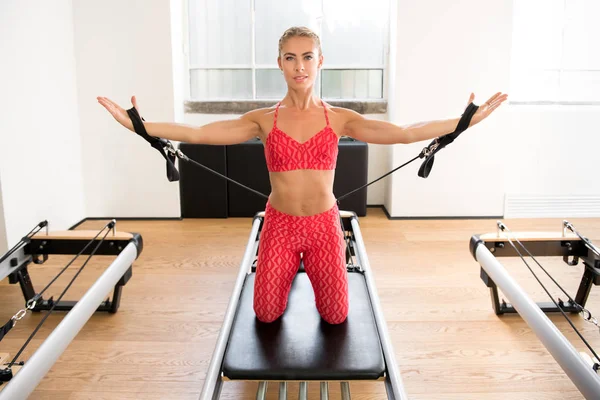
284 153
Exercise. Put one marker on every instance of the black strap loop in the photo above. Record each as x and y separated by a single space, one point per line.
158 143
429 151
443 141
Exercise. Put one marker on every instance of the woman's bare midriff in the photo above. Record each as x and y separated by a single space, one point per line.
302 192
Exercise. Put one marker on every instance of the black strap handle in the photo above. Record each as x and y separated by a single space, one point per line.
443 141
158 143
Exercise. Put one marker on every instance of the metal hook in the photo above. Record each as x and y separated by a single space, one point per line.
31 303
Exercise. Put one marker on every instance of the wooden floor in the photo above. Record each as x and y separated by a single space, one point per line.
448 342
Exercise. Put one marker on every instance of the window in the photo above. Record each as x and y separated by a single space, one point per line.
233 47
555 57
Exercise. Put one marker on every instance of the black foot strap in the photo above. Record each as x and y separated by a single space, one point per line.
158 143
443 141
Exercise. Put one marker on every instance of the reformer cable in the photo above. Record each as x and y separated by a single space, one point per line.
4 329
24 240
108 227
422 154
39 295
586 314
169 152
180 154
31 303
585 240
503 227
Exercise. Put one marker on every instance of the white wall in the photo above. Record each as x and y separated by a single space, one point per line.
179 75
124 48
519 154
532 154
557 152
445 51
379 156
40 165
3 241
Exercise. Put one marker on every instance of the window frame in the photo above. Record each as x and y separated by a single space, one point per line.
539 102
376 105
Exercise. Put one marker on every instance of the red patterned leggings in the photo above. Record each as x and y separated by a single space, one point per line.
319 238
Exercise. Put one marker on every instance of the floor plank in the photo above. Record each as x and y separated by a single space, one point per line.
448 342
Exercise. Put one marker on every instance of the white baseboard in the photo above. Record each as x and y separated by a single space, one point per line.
539 206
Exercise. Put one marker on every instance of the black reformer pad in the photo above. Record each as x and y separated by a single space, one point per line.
300 345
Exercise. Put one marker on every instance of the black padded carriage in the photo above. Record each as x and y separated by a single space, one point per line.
300 346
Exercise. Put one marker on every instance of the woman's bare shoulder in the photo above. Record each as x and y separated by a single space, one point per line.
260 113
262 117
342 114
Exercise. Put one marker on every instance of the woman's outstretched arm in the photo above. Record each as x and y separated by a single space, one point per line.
382 132
225 132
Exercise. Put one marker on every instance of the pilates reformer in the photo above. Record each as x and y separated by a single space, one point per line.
358 349
569 244
17 378
299 347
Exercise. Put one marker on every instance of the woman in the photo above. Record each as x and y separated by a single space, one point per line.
300 135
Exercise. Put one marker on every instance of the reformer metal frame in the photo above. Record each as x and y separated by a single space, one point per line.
569 247
485 249
16 268
214 376
29 376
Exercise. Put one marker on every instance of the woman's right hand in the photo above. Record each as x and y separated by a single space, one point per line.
225 132
118 112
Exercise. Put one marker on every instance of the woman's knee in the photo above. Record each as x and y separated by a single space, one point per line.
335 309
268 313
335 318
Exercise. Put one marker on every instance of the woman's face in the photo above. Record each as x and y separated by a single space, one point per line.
300 62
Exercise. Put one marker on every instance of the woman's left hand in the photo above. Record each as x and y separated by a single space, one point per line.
486 108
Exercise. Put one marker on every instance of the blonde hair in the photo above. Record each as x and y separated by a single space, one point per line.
299 31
